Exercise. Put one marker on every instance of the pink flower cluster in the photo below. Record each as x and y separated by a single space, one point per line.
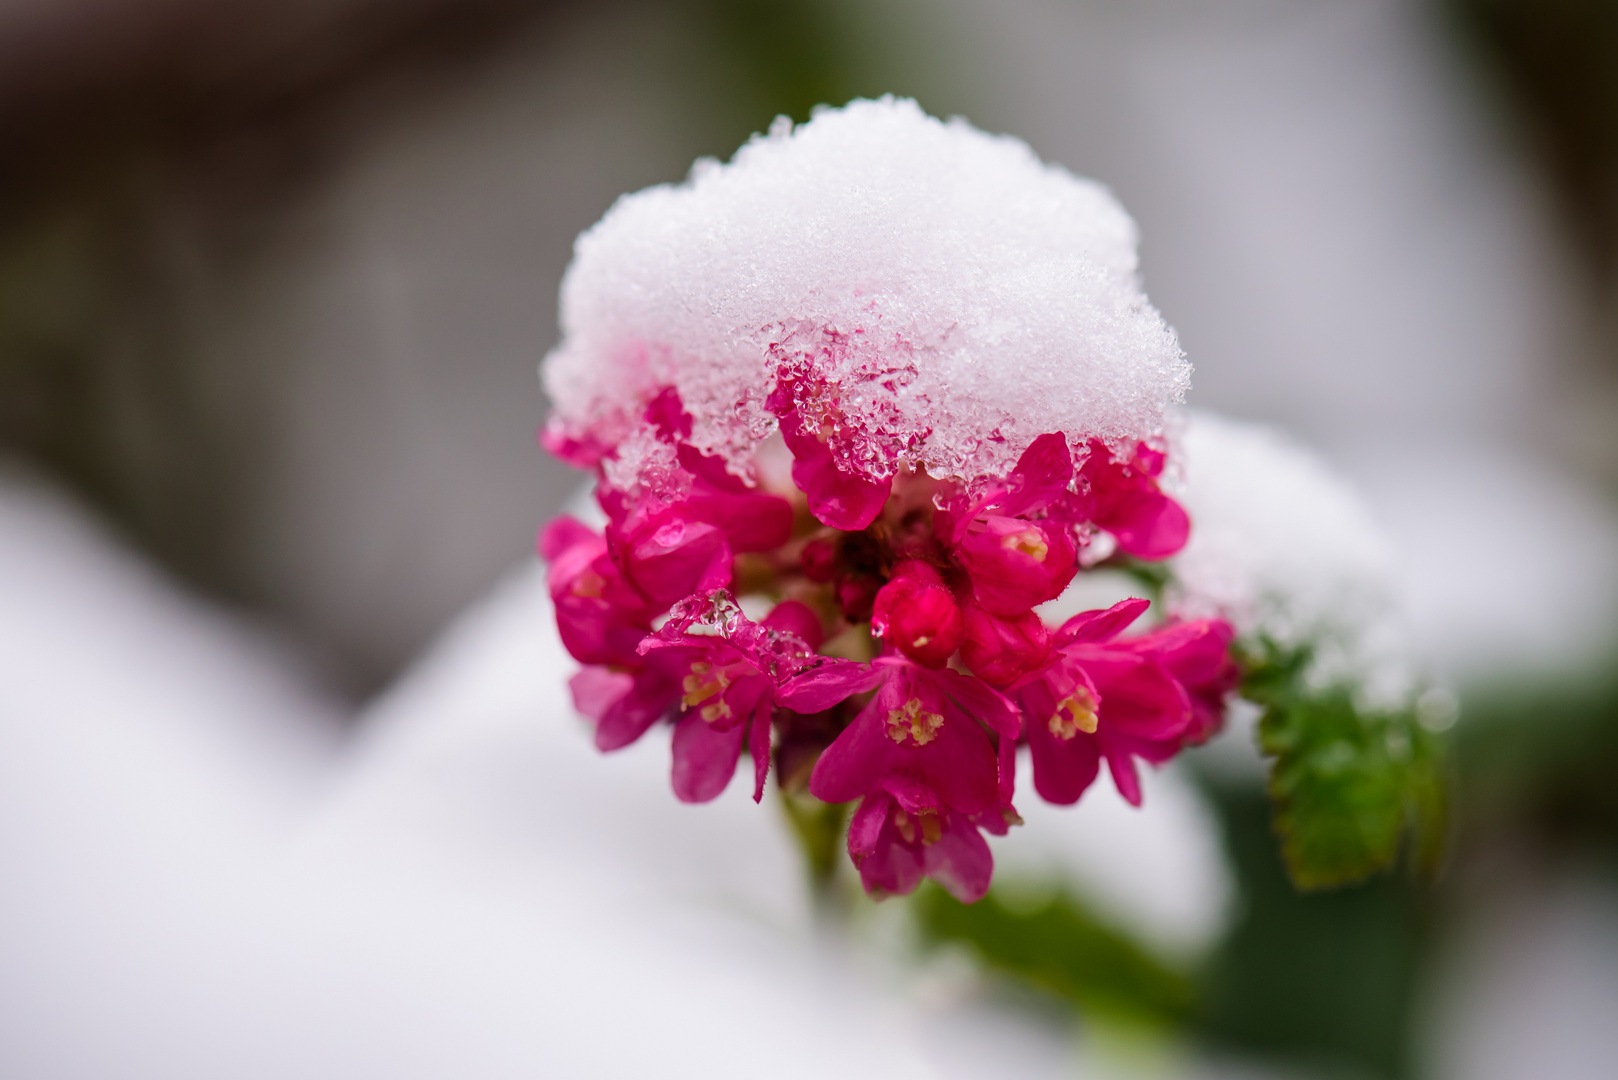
902 662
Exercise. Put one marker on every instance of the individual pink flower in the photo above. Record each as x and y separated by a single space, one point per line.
670 550
1001 650
601 617
916 613
895 848
728 669
1130 505
1097 701
1019 541
1197 654
934 740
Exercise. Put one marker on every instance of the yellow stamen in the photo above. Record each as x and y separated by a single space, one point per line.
706 683
932 827
1074 714
1030 542
590 584
919 726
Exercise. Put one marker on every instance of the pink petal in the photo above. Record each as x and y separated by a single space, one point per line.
1105 624
836 498
563 533
1152 526
916 614
677 558
960 860
596 689
1122 766
828 684
865 828
704 758
758 744
1002 650
652 696
795 617
1042 474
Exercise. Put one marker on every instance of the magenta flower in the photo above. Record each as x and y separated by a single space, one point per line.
1019 541
728 670
601 617
1100 698
1130 505
895 848
1197 653
916 613
932 739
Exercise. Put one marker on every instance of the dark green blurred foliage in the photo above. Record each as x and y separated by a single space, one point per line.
1323 979
1540 761
787 55
1348 784
1063 948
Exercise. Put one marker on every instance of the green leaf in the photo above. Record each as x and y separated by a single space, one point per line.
1347 785
1061 947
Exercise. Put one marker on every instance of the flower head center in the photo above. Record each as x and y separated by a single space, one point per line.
1074 713
913 722
924 825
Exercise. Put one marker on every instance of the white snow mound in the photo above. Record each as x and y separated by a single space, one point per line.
947 296
1284 548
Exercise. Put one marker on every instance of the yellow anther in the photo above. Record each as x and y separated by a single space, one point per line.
1074 714
704 683
912 722
589 584
930 825
1030 542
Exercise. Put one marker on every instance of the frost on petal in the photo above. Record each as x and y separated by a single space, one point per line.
889 290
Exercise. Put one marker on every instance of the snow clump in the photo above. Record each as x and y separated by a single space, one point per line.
926 295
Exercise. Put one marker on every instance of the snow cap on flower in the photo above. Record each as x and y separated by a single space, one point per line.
900 290
1284 548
